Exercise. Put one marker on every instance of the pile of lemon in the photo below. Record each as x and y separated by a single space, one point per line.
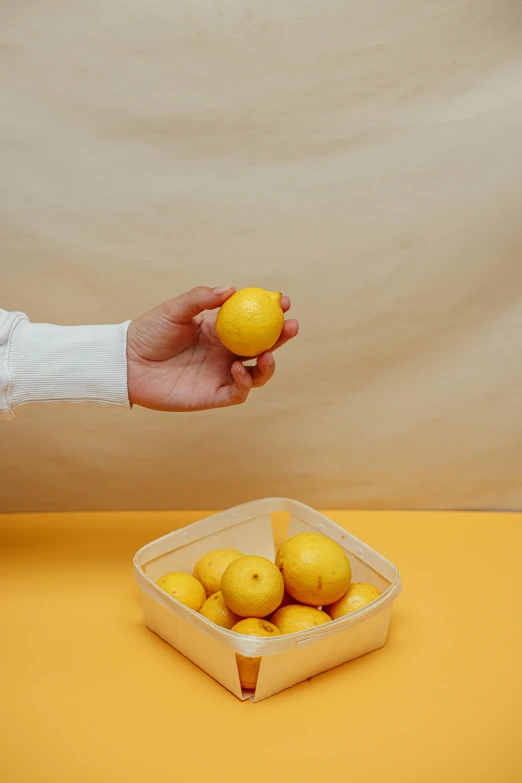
309 585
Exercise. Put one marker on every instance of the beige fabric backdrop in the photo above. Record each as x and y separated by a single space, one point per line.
364 156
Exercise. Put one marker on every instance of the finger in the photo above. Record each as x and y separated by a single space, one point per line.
285 304
235 393
290 330
184 308
263 370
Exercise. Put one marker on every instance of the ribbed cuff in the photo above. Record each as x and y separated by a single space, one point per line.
84 365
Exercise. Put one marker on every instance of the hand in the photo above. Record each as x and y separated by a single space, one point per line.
177 363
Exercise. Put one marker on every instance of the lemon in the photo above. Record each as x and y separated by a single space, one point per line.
287 600
250 322
359 594
252 586
184 588
210 568
216 610
295 617
315 569
248 668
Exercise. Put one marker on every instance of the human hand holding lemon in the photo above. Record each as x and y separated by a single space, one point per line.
180 359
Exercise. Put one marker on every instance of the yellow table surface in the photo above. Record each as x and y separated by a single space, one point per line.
87 693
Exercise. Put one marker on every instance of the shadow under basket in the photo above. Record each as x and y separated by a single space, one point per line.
287 659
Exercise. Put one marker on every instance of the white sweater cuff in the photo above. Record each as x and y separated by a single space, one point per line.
47 364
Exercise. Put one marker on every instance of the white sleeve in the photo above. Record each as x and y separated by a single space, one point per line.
46 364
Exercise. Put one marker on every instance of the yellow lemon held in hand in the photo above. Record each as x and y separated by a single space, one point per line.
248 668
359 594
315 569
252 586
210 568
184 588
216 610
295 617
250 322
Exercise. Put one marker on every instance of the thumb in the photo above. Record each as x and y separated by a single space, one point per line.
184 308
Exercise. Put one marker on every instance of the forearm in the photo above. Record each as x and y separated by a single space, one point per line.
46 364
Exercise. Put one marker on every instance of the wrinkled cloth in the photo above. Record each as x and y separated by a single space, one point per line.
362 157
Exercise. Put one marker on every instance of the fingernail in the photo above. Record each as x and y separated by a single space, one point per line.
222 289
242 369
271 359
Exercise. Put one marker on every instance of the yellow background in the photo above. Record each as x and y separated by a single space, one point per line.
88 694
